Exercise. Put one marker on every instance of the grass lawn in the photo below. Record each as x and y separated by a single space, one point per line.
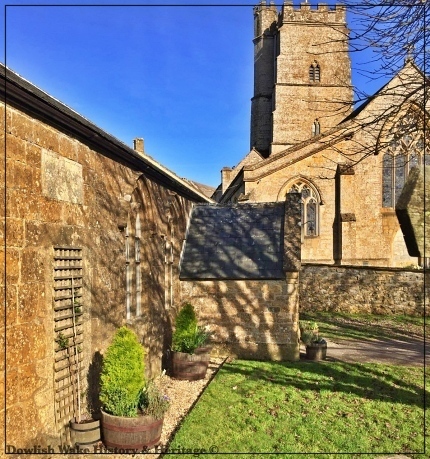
307 407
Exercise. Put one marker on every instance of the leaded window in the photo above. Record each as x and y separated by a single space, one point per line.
309 207
404 152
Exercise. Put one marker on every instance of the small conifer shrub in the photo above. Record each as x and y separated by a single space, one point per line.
188 336
122 376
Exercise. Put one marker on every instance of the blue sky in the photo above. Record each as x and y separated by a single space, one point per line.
181 77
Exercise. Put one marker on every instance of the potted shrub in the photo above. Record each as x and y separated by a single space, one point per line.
316 347
190 354
133 409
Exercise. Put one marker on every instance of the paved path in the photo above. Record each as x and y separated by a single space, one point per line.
392 351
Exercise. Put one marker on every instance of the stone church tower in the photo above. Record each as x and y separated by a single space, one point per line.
302 74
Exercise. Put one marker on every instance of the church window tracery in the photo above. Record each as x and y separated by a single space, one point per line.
309 207
404 151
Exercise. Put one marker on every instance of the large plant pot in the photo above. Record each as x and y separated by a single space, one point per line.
190 366
316 351
85 433
136 433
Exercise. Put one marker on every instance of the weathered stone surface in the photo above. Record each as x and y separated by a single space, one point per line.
15 232
61 178
413 212
12 265
362 290
249 318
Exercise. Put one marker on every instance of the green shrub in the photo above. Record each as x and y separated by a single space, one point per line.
122 376
186 320
188 336
309 332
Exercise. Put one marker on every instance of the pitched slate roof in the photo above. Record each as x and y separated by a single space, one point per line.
25 96
236 241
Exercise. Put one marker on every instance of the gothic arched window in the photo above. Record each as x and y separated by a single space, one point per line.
310 207
404 151
314 72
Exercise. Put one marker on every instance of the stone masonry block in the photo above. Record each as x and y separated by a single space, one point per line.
14 231
67 147
33 155
22 175
25 343
51 211
19 205
33 261
62 178
46 137
12 257
15 148
29 302
10 301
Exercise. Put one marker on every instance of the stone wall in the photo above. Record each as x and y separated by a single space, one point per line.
64 192
355 289
255 319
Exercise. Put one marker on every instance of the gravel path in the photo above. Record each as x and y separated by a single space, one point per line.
183 395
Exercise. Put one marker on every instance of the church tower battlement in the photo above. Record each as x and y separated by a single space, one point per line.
305 12
302 73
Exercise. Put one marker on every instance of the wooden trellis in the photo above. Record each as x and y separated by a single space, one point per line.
68 327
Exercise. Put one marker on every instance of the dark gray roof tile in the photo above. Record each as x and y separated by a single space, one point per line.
240 241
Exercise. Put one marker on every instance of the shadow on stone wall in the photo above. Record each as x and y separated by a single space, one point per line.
93 381
253 319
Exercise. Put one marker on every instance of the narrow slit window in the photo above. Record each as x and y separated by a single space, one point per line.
127 275
387 180
316 128
138 235
314 72
317 73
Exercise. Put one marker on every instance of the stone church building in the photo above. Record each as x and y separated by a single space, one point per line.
349 165
97 234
